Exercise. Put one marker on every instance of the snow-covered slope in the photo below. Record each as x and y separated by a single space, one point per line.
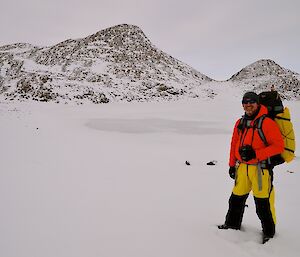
261 75
118 63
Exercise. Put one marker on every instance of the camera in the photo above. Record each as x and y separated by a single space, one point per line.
247 153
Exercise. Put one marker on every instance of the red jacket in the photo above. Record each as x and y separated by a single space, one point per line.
250 137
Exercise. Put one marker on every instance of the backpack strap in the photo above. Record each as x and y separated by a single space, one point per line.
258 125
268 162
281 118
240 125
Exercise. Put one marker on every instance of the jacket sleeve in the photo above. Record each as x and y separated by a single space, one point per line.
233 145
274 139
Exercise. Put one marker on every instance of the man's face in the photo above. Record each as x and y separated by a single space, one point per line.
250 107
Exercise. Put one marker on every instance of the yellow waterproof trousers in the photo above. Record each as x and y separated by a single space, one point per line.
250 177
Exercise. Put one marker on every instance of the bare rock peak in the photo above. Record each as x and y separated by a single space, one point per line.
265 73
260 68
121 33
124 28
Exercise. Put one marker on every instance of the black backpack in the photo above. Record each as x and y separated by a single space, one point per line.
271 99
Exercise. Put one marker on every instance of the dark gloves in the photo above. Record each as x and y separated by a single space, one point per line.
247 153
232 171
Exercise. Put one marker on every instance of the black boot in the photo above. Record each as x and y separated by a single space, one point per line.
224 226
265 238
235 212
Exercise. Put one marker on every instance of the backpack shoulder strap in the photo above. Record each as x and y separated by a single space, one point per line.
240 125
258 125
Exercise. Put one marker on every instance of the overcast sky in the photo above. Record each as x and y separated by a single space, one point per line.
217 38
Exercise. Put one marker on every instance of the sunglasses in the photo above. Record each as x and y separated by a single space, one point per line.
249 101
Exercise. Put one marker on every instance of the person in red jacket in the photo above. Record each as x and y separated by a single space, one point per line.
250 168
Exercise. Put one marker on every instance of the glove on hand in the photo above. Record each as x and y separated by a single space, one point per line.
232 172
247 153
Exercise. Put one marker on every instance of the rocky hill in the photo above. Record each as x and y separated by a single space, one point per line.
115 64
261 75
121 64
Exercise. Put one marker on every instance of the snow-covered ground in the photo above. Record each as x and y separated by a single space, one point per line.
111 181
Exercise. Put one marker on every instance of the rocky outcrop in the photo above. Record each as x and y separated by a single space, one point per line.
264 74
115 64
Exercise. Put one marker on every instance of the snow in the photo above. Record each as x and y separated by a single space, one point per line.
111 180
32 66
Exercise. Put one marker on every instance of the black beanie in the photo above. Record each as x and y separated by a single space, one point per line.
251 96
